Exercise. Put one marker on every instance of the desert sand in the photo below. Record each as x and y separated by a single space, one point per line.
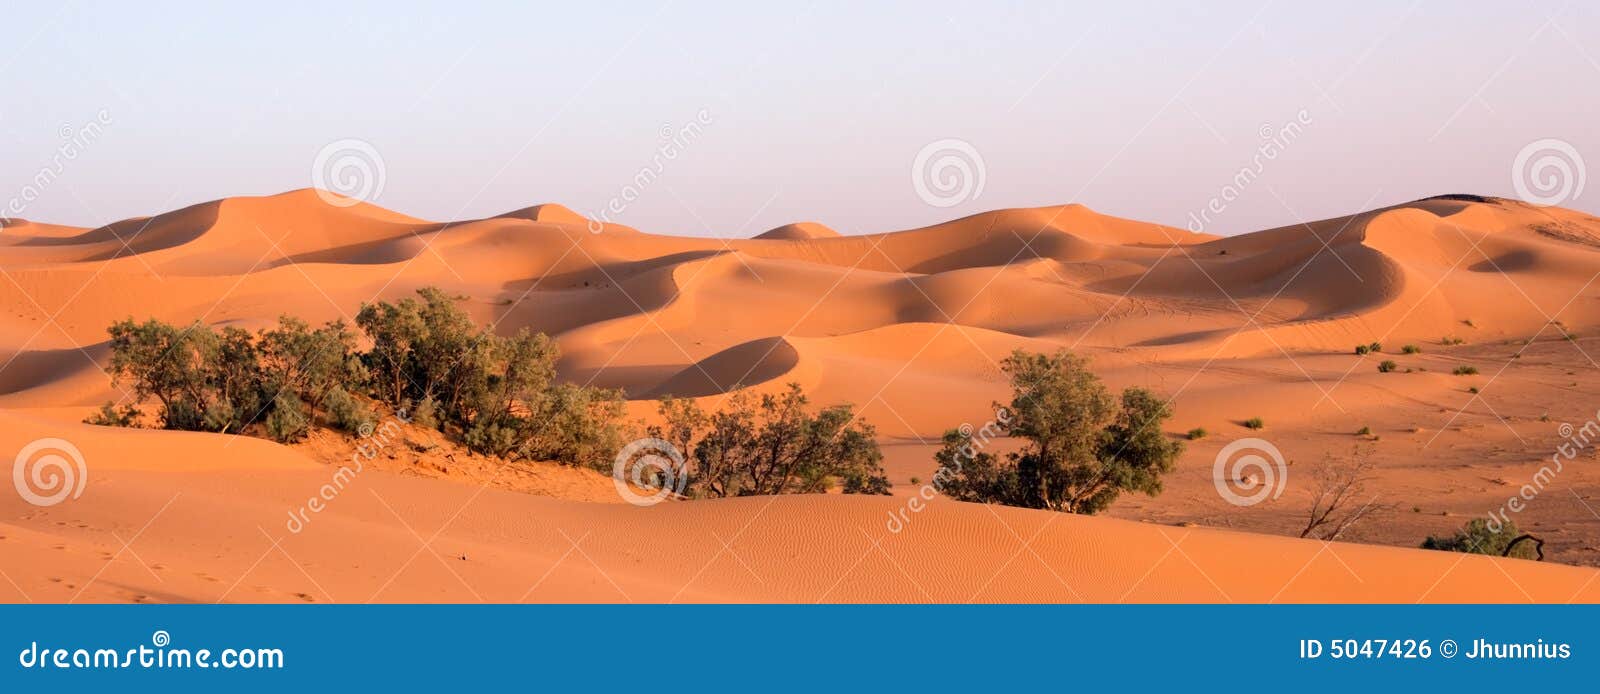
910 326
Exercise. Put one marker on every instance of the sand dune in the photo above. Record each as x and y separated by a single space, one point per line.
910 327
799 231
217 511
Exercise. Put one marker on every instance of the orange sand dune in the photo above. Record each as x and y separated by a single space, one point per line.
910 326
799 231
206 519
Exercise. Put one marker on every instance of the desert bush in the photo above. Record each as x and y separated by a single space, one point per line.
498 393
348 413
1465 371
1084 447
289 420
1387 366
1411 349
773 444
1362 349
1478 536
110 415
576 425
1364 431
1375 347
308 363
202 380
1254 423
393 330
1196 434
518 408
427 349
164 362
425 414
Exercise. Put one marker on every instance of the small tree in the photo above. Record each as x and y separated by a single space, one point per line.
308 363
166 363
1084 448
394 329
1336 496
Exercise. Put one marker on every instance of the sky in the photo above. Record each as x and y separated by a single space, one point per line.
863 116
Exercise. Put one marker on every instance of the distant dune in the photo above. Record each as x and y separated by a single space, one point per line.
909 326
799 231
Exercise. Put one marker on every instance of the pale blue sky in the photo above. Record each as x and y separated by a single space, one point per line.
818 110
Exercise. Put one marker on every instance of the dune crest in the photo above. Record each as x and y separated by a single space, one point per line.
799 231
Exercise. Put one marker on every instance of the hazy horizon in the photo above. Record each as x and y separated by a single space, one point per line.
813 112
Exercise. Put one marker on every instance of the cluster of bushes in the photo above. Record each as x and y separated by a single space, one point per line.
1083 447
277 380
772 445
499 395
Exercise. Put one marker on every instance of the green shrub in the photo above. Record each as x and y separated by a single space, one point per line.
1375 347
348 413
773 444
1387 366
1364 431
427 349
1362 349
1196 434
1083 450
1254 423
309 363
426 413
1478 536
1411 349
289 420
491 438
1465 371
109 415
167 363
